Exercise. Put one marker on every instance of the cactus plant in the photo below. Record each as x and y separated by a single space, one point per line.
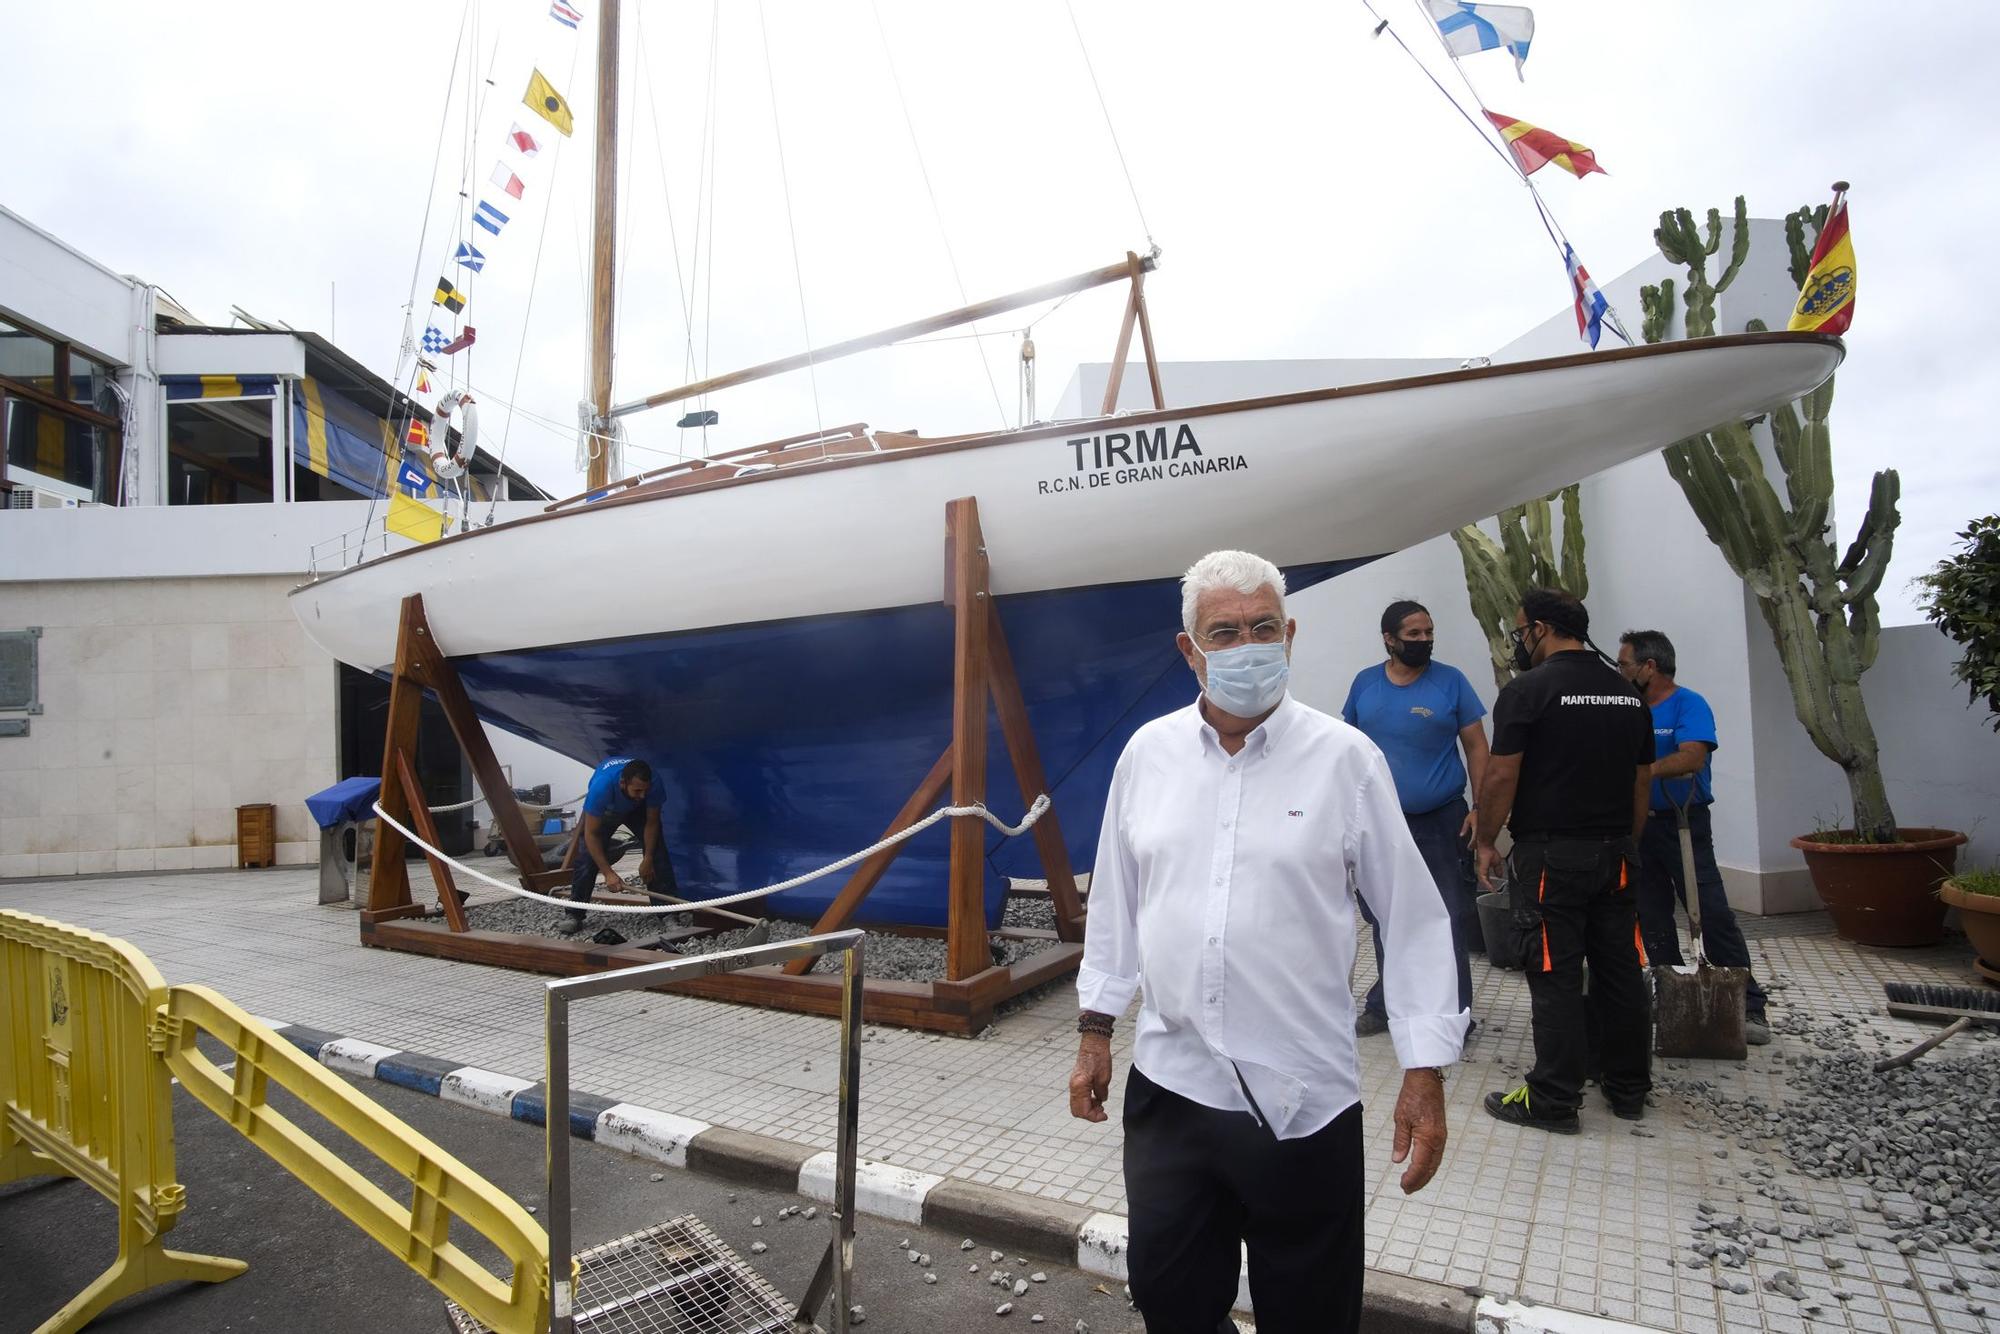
1822 611
1498 573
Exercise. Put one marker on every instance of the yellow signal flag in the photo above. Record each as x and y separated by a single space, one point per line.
412 518
543 99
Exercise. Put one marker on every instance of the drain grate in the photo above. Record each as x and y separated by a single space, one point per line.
677 1278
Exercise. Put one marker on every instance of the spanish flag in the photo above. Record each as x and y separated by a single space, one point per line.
543 99
1534 148
1826 298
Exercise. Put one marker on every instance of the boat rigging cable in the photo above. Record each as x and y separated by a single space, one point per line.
1112 129
923 170
1035 812
785 178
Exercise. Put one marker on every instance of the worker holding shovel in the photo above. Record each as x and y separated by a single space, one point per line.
1684 737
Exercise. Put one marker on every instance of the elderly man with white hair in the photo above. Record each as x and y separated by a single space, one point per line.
1232 831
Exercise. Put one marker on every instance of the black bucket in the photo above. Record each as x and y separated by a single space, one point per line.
1495 923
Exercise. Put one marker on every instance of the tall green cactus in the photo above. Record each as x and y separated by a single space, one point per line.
1823 615
1497 573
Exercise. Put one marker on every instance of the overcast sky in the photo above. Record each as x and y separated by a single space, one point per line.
1313 194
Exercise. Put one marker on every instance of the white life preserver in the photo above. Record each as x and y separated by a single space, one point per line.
444 462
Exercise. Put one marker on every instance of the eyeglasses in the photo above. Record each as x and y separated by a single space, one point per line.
1229 636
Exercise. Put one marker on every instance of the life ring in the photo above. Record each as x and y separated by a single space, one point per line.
444 462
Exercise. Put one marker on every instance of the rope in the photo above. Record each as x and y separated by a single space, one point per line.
1105 107
785 179
524 805
1035 812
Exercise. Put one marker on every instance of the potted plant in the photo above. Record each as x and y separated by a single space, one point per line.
1976 895
1878 879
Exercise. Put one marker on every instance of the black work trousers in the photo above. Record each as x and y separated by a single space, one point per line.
583 868
1201 1183
1575 901
1662 896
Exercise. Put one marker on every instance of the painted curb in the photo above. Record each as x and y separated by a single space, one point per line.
1094 1242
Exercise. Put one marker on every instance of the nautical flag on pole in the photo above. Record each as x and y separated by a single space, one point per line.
460 343
566 14
506 180
418 436
1469 29
1826 299
435 339
1593 312
489 217
413 478
543 99
413 519
523 142
471 256
423 380
448 296
1534 148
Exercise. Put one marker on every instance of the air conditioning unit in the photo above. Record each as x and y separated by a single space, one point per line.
31 498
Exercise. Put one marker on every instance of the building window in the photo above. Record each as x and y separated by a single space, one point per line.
219 452
57 418
20 670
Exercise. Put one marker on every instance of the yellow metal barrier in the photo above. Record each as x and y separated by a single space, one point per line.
82 1095
441 1188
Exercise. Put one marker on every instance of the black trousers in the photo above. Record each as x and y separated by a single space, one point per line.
1200 1183
583 870
1662 895
1450 861
1575 901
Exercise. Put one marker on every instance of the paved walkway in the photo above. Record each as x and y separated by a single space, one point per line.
1599 1223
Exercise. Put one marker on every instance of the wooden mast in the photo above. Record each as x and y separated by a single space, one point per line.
603 239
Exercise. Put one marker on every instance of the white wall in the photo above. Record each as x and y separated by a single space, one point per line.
63 291
167 704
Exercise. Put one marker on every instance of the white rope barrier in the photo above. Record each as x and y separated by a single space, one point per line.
1039 808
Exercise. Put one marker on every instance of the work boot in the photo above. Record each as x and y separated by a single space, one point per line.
1513 1108
1635 1110
1370 1022
1756 1030
571 924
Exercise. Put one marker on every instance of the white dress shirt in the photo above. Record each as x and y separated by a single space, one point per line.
1221 886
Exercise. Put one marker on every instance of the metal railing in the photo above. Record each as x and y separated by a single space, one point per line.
835 1273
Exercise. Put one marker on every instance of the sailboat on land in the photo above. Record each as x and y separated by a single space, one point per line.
785 662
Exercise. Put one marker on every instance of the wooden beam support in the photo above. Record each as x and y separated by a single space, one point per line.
1028 773
967 595
841 911
449 898
1116 379
1145 327
389 876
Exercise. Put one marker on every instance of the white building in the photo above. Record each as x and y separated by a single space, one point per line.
164 486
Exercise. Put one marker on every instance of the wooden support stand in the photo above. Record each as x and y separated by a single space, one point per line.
983 676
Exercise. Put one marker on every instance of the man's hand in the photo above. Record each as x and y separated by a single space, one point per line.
1471 826
612 880
1419 1125
1090 1081
646 870
1489 865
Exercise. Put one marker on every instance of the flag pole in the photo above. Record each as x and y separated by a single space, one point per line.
603 246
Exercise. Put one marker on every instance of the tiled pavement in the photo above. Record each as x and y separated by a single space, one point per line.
1596 1223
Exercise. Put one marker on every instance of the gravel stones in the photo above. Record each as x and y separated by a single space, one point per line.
1004 1308
1020 1287
758 1248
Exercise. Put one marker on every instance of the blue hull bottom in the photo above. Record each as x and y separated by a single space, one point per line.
788 745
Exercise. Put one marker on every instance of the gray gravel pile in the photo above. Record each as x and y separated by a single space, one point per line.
1924 1137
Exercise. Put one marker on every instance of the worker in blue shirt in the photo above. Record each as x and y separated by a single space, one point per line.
1422 714
1683 739
622 794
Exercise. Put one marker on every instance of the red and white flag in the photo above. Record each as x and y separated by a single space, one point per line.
507 180
523 142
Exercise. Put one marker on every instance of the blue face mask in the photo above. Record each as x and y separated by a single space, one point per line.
1247 680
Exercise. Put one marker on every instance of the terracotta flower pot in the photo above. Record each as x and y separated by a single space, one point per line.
1884 893
1979 914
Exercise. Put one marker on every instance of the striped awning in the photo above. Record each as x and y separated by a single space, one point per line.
182 387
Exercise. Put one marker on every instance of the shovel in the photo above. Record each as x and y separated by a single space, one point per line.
1698 1011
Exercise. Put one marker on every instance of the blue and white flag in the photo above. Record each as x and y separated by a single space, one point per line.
413 479
435 339
1593 311
489 217
470 256
1469 29
566 14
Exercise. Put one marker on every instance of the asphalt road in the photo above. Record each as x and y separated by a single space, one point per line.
312 1271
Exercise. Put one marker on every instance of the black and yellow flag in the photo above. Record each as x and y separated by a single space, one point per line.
449 297
549 104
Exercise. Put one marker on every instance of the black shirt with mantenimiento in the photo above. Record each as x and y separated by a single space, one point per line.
1581 731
